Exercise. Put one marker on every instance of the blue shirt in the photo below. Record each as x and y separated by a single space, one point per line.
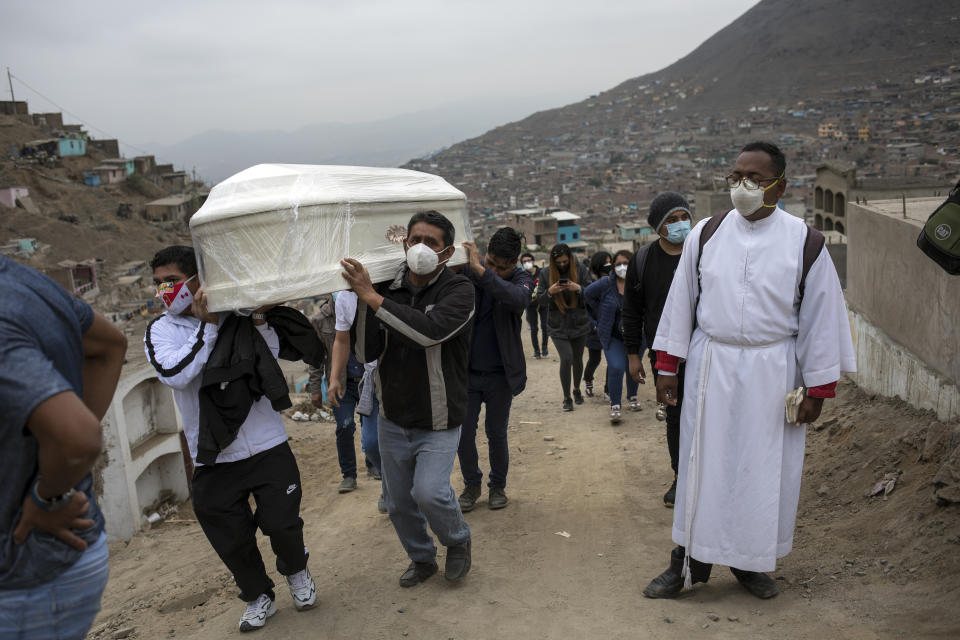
41 355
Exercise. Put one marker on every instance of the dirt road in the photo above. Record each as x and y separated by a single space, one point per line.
570 472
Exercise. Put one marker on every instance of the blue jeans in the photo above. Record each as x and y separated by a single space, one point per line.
346 427
616 354
493 390
417 464
62 609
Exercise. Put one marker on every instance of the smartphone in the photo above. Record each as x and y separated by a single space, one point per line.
563 281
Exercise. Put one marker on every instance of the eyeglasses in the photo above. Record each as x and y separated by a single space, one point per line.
750 184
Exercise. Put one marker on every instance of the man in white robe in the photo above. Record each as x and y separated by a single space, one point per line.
747 341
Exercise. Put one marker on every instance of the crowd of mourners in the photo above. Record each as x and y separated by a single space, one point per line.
734 314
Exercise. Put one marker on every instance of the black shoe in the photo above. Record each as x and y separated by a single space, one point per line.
671 495
497 499
536 356
588 388
669 583
567 404
458 563
577 397
417 572
666 585
468 499
347 485
759 584
544 352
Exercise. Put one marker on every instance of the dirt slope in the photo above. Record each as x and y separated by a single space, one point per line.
862 568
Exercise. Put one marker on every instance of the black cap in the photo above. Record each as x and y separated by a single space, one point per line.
663 205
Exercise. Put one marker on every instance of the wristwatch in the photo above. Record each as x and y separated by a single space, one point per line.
56 503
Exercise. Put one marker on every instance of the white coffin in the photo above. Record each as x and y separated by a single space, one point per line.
277 232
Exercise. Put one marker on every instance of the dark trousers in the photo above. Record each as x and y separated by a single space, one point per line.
221 501
537 315
699 571
493 390
594 357
673 413
571 361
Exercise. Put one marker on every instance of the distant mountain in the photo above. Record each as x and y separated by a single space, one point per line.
218 154
780 52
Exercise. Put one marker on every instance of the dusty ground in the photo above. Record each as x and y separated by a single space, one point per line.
862 568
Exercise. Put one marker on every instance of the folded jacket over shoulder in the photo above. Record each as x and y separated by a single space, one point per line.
241 369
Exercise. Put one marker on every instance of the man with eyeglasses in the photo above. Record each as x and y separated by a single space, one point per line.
753 318
417 328
258 462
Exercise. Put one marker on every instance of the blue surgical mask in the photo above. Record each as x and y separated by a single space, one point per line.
677 231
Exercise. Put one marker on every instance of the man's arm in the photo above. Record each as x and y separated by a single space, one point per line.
68 439
513 294
422 329
177 363
104 348
341 353
67 430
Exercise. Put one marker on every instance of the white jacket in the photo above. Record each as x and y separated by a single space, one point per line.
178 348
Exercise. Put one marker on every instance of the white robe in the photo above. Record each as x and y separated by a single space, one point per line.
739 480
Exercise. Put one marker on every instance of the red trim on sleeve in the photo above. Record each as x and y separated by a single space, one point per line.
823 391
668 363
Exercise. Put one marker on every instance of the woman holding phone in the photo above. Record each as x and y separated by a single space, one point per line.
567 321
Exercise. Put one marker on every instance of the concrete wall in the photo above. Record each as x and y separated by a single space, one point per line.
888 369
141 433
899 290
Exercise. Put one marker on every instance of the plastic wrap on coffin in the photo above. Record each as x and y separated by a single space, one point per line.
278 232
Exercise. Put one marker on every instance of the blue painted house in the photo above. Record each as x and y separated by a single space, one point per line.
568 229
629 231
71 147
128 165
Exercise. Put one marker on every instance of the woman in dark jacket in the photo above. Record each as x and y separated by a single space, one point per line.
601 264
567 321
604 301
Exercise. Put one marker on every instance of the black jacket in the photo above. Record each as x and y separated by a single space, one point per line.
241 369
511 297
421 341
575 322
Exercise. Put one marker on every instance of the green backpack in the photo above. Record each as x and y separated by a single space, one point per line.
940 237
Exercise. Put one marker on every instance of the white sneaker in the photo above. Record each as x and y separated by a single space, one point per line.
257 612
615 414
302 589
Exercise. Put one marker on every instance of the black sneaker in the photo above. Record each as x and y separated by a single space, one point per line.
588 389
497 499
347 485
577 396
544 352
458 563
468 499
417 572
536 356
567 404
671 495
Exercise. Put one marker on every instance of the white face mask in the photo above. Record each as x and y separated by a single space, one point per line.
528 265
423 260
747 201
621 270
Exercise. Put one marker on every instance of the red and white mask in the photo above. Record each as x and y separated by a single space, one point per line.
176 296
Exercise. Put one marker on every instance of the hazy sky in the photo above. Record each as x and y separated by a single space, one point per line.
165 72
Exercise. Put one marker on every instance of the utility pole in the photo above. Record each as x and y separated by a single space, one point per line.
10 81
